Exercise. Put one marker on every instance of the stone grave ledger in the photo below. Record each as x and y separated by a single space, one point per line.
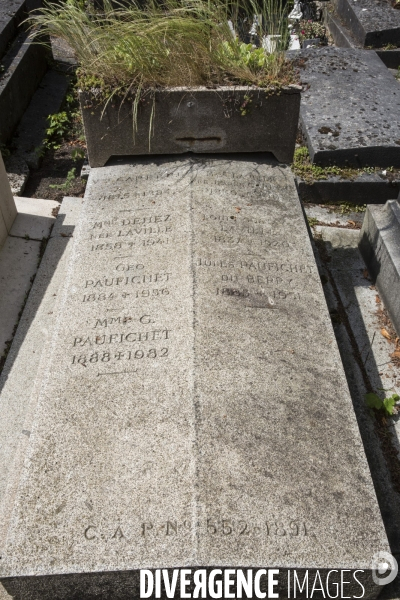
195 411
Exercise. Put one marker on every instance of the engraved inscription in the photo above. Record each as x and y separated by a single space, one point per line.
144 293
131 280
240 528
110 357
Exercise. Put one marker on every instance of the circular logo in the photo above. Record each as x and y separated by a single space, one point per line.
383 562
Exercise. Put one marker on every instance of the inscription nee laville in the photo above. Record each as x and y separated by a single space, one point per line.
131 233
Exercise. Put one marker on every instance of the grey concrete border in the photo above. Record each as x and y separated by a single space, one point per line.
25 64
366 189
10 17
380 249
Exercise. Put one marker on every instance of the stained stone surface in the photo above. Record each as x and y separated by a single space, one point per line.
373 22
194 410
348 113
11 13
199 120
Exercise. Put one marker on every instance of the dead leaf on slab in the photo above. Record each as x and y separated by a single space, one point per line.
395 354
377 300
385 333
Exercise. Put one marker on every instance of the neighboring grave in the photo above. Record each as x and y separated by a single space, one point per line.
349 109
194 411
373 22
23 63
380 248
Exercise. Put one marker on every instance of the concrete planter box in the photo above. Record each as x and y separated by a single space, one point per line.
200 120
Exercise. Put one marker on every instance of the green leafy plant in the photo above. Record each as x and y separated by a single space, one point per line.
309 172
347 208
58 126
239 53
77 154
312 221
71 175
387 404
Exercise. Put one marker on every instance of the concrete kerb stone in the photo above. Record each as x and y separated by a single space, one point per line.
346 266
25 64
11 14
342 37
31 131
8 210
18 264
380 248
27 358
367 188
34 219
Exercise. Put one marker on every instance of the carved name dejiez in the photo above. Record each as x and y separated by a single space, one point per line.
143 220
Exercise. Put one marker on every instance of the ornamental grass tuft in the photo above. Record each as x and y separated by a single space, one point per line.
134 46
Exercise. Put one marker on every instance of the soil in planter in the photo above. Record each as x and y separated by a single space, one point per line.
59 172
55 177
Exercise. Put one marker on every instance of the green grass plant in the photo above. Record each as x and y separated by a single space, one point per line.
137 46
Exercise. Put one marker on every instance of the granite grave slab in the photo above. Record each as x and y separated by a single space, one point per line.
178 424
348 113
373 22
343 37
